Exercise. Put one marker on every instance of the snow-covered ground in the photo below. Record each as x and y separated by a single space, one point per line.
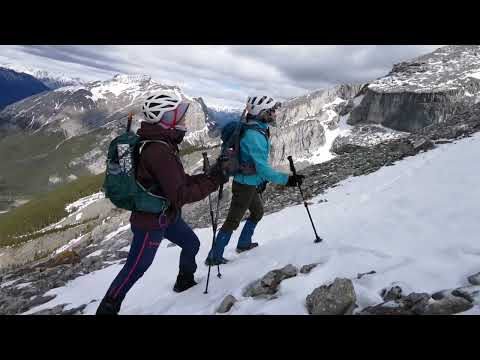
414 223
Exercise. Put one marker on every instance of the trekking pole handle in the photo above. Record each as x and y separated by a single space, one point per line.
292 166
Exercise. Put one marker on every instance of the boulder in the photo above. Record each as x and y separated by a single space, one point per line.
74 311
305 269
387 308
441 294
270 282
394 293
469 293
226 304
448 305
474 279
396 304
338 298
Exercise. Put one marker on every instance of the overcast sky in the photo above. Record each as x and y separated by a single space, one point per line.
223 75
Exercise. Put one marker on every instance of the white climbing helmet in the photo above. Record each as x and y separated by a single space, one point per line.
167 109
256 104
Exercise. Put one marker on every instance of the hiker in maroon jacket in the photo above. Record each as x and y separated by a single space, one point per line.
159 164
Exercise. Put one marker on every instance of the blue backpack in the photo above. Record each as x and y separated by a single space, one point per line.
230 150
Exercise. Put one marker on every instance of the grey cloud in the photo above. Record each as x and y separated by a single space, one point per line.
88 56
339 64
230 73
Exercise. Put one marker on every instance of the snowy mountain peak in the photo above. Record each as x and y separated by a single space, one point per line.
51 79
454 67
132 78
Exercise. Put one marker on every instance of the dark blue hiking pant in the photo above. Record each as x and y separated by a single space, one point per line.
142 252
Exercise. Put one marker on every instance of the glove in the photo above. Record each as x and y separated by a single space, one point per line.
262 187
295 180
216 172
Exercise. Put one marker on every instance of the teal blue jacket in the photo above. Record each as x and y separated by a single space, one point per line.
255 149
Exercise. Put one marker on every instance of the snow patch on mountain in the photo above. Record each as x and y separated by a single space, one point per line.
324 153
84 202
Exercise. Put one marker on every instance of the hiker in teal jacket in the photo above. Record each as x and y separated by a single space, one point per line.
254 150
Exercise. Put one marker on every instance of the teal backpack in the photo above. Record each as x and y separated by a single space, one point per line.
121 185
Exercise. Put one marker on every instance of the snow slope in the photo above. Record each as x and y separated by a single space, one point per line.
414 223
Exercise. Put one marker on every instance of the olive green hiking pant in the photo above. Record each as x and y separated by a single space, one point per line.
244 197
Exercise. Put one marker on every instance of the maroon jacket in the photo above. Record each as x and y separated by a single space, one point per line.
160 164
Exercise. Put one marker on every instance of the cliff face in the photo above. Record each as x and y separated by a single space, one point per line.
307 125
424 91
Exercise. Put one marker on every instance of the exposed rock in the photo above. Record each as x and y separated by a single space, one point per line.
405 101
413 304
304 121
74 311
441 294
459 130
423 144
288 271
65 257
53 311
474 279
387 308
364 136
416 302
360 275
339 148
448 305
269 283
469 293
307 268
39 300
226 304
334 299
393 293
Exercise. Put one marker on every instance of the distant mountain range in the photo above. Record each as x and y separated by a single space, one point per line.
51 79
16 86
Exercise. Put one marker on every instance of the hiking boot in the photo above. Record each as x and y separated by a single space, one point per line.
108 306
214 262
184 281
249 247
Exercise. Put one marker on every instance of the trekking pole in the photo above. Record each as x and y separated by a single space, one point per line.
292 169
219 198
206 167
